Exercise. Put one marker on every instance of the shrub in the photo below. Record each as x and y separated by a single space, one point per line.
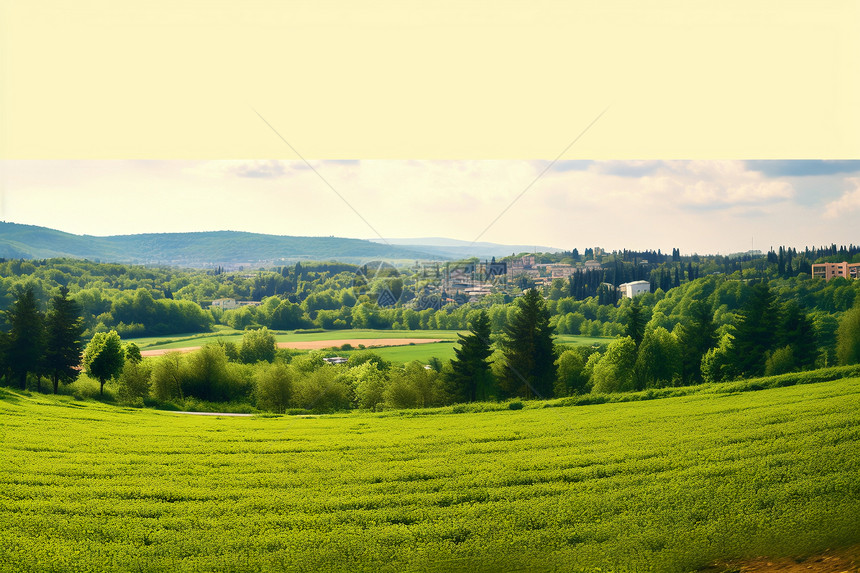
358 358
780 362
257 346
323 390
274 387
134 381
167 375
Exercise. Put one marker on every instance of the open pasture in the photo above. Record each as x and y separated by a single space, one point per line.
664 485
231 335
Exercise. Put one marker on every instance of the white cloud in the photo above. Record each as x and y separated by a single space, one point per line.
716 184
847 203
703 206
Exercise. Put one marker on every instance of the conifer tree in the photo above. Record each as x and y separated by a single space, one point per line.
471 378
797 331
63 328
530 369
755 332
635 323
26 340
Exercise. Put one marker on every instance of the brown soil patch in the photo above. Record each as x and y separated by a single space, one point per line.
845 560
163 351
354 342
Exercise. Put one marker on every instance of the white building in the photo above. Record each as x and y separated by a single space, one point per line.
635 288
224 303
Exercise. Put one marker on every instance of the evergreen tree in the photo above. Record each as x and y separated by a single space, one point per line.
635 323
755 332
695 339
63 327
25 347
529 350
797 331
471 378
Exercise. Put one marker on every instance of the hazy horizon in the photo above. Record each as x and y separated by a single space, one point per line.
703 207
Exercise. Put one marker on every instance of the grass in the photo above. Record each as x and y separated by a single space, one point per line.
662 485
420 352
232 335
578 340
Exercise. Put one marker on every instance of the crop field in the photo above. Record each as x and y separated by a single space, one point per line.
231 335
577 340
662 485
420 352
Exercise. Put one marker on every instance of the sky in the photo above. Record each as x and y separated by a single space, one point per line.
697 206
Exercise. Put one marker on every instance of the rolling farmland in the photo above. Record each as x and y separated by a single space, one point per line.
662 485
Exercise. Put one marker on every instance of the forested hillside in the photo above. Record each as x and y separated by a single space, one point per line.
193 249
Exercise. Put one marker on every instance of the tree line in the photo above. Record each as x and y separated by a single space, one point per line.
522 361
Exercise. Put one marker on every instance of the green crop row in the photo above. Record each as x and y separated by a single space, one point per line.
668 485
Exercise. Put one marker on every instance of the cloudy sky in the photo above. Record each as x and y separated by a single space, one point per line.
697 206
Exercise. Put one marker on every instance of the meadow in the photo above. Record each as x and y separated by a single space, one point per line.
394 354
661 485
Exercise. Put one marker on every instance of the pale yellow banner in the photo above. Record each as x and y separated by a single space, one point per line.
730 79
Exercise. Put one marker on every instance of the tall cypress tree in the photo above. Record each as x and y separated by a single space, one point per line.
472 378
26 341
63 328
635 323
529 350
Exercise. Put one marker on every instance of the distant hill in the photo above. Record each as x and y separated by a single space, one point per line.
224 248
456 249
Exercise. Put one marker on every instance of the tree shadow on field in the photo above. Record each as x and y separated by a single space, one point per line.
9 396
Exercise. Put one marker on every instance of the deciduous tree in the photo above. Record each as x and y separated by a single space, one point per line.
104 357
257 346
848 337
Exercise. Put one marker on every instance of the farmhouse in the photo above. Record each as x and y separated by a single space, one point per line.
631 290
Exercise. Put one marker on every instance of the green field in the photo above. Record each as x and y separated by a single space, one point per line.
420 352
231 335
662 485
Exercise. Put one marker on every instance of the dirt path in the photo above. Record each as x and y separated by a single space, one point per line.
316 344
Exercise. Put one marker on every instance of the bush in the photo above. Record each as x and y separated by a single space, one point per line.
368 384
134 381
358 358
323 390
780 362
274 387
168 372
257 346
